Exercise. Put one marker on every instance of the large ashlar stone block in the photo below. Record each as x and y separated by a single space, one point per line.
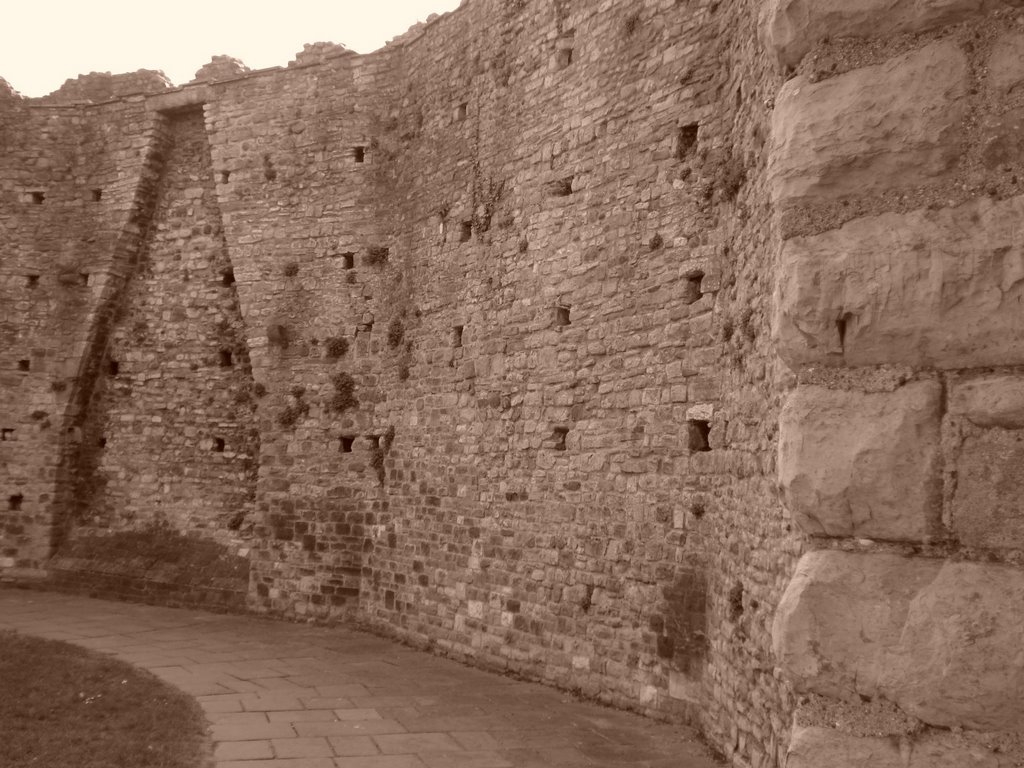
992 401
868 465
941 639
792 27
896 124
988 506
815 747
940 288
1006 64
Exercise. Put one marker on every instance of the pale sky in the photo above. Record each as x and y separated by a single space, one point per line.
45 42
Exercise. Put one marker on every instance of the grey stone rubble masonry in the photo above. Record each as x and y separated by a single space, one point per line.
856 464
815 747
893 124
941 639
791 28
927 288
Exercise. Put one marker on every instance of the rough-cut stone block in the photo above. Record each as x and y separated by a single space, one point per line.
813 747
895 124
856 464
993 401
987 509
1002 139
928 288
941 639
1006 63
793 27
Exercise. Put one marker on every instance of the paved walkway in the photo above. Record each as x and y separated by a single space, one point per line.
283 695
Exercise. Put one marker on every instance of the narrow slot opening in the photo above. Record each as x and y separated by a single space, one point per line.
694 287
698 433
465 231
686 140
346 443
842 327
457 335
359 154
83 279
14 502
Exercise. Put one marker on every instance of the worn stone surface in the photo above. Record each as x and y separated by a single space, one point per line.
986 509
1006 64
939 638
989 401
936 288
895 124
815 747
866 465
793 27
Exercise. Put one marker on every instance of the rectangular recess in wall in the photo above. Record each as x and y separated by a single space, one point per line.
14 502
562 316
6 435
560 187
218 445
465 231
113 367
96 195
348 260
226 358
462 111
24 365
225 177
686 140
36 198
457 335
359 154
345 443
693 289
698 435
83 279
227 277
558 435
31 281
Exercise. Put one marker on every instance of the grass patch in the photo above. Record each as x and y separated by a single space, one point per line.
64 705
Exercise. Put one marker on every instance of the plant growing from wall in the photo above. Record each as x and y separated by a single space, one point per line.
344 396
291 269
335 347
377 255
396 332
277 335
656 242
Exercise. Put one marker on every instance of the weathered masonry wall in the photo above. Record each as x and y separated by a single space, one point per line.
551 337
896 173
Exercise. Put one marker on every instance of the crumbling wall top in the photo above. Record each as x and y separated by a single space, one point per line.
220 68
103 86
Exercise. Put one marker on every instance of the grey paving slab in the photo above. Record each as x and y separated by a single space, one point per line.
281 695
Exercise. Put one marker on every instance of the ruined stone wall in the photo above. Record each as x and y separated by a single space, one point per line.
896 172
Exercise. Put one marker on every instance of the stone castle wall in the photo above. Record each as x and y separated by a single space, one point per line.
550 337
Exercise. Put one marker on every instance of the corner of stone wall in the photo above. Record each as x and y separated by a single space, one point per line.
896 171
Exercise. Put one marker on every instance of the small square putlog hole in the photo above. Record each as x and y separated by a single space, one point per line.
359 154
348 260
562 316
693 289
346 442
24 365
698 434
6 435
113 367
686 140
31 281
563 58
218 445
558 435
97 195
37 198
14 502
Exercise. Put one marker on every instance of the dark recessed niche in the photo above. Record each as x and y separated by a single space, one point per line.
37 198
694 287
113 367
348 260
465 231
226 358
227 277
558 435
14 502
374 441
346 442
218 445
560 187
457 335
698 435
6 435
563 58
102 442
225 177
359 154
562 316
462 111
83 278
24 365
686 140
97 195
31 281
